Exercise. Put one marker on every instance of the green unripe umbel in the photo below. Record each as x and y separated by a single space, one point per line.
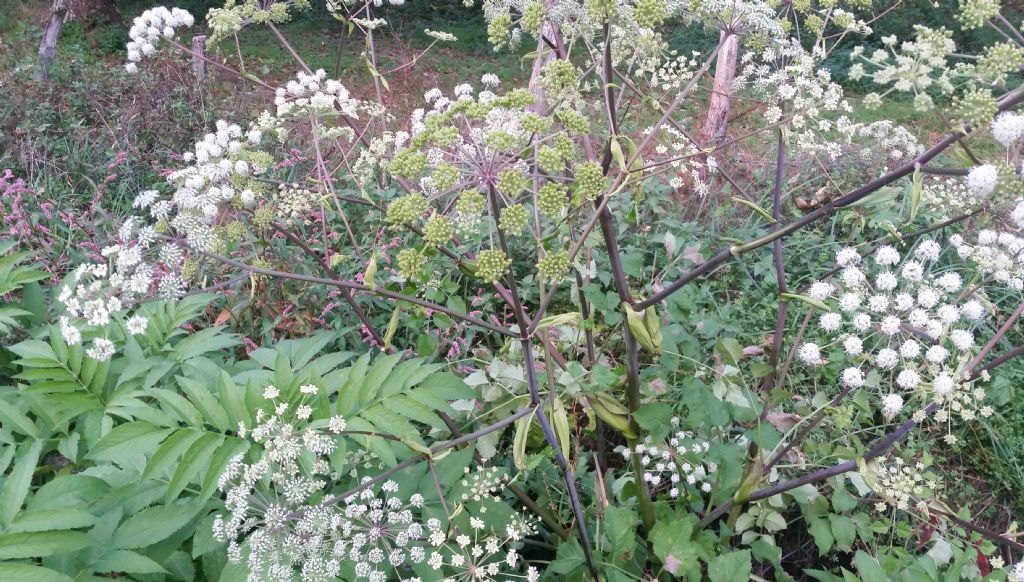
560 79
975 107
551 199
406 209
445 175
574 121
534 123
164 226
600 10
438 230
491 265
263 217
235 231
511 181
408 163
190 268
446 136
650 13
976 13
999 60
589 182
565 146
410 263
261 263
555 265
513 219
815 24
499 29
501 141
471 203
550 159
533 18
516 99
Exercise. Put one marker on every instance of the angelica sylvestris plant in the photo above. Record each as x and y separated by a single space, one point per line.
548 395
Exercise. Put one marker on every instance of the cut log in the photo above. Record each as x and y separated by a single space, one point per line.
717 116
88 12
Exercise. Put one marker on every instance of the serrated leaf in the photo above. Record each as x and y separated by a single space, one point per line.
201 397
27 573
375 377
730 567
844 530
231 398
127 439
152 525
821 531
401 404
730 350
17 484
15 546
192 462
231 448
186 412
128 562
11 416
33 520
869 568
569 557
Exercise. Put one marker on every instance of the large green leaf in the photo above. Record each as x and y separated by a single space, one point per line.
730 567
193 461
51 519
40 543
170 451
128 439
127 562
152 525
18 482
203 399
27 573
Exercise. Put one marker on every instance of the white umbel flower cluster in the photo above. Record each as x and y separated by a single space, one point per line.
981 180
997 255
149 28
901 321
314 92
1007 128
1016 573
901 486
679 467
788 78
892 404
284 523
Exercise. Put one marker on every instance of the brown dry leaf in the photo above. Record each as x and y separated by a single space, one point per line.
783 421
222 317
752 351
692 254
